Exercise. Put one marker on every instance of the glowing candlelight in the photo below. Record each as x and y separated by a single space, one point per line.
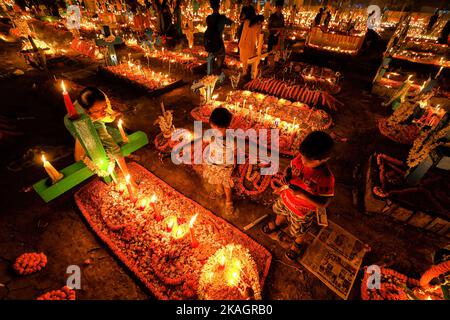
222 262
439 72
171 223
68 103
120 188
122 132
54 174
194 242
233 273
130 188
157 215
112 174
143 204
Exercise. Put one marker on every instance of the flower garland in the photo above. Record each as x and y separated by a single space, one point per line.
425 144
29 263
64 294
252 174
393 286
96 169
434 272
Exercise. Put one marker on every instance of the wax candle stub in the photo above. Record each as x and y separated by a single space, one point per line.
54 174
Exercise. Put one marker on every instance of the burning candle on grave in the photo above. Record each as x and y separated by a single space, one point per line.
156 213
54 174
68 103
120 188
194 242
222 261
233 274
143 204
171 223
277 122
122 132
130 188
112 174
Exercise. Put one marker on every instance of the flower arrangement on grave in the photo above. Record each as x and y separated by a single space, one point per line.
29 263
426 143
65 293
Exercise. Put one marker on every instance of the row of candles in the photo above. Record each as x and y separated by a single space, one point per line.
247 110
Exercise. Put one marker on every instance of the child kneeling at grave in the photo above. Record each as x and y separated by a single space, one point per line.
309 187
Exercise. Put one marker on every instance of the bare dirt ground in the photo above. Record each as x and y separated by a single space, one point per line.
58 229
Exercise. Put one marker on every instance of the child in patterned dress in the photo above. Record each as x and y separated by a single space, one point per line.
309 187
220 157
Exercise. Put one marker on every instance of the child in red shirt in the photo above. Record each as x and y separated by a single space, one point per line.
310 187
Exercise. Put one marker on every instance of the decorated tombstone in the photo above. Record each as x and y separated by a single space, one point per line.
430 150
149 43
96 162
73 18
110 41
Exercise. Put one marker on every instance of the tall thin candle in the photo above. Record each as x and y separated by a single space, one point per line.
68 103
122 132
130 188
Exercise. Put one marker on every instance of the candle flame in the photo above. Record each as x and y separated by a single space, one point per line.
191 223
171 222
222 260
120 123
127 178
63 86
153 198
43 159
143 203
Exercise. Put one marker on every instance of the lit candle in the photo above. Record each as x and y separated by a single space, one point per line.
194 242
120 188
143 204
171 223
122 132
54 174
157 215
130 188
68 103
222 262
277 122
439 72
112 173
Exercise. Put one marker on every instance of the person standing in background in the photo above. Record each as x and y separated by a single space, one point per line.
327 20
213 37
276 25
247 14
249 38
318 17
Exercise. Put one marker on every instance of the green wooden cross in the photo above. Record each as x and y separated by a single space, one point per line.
112 59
